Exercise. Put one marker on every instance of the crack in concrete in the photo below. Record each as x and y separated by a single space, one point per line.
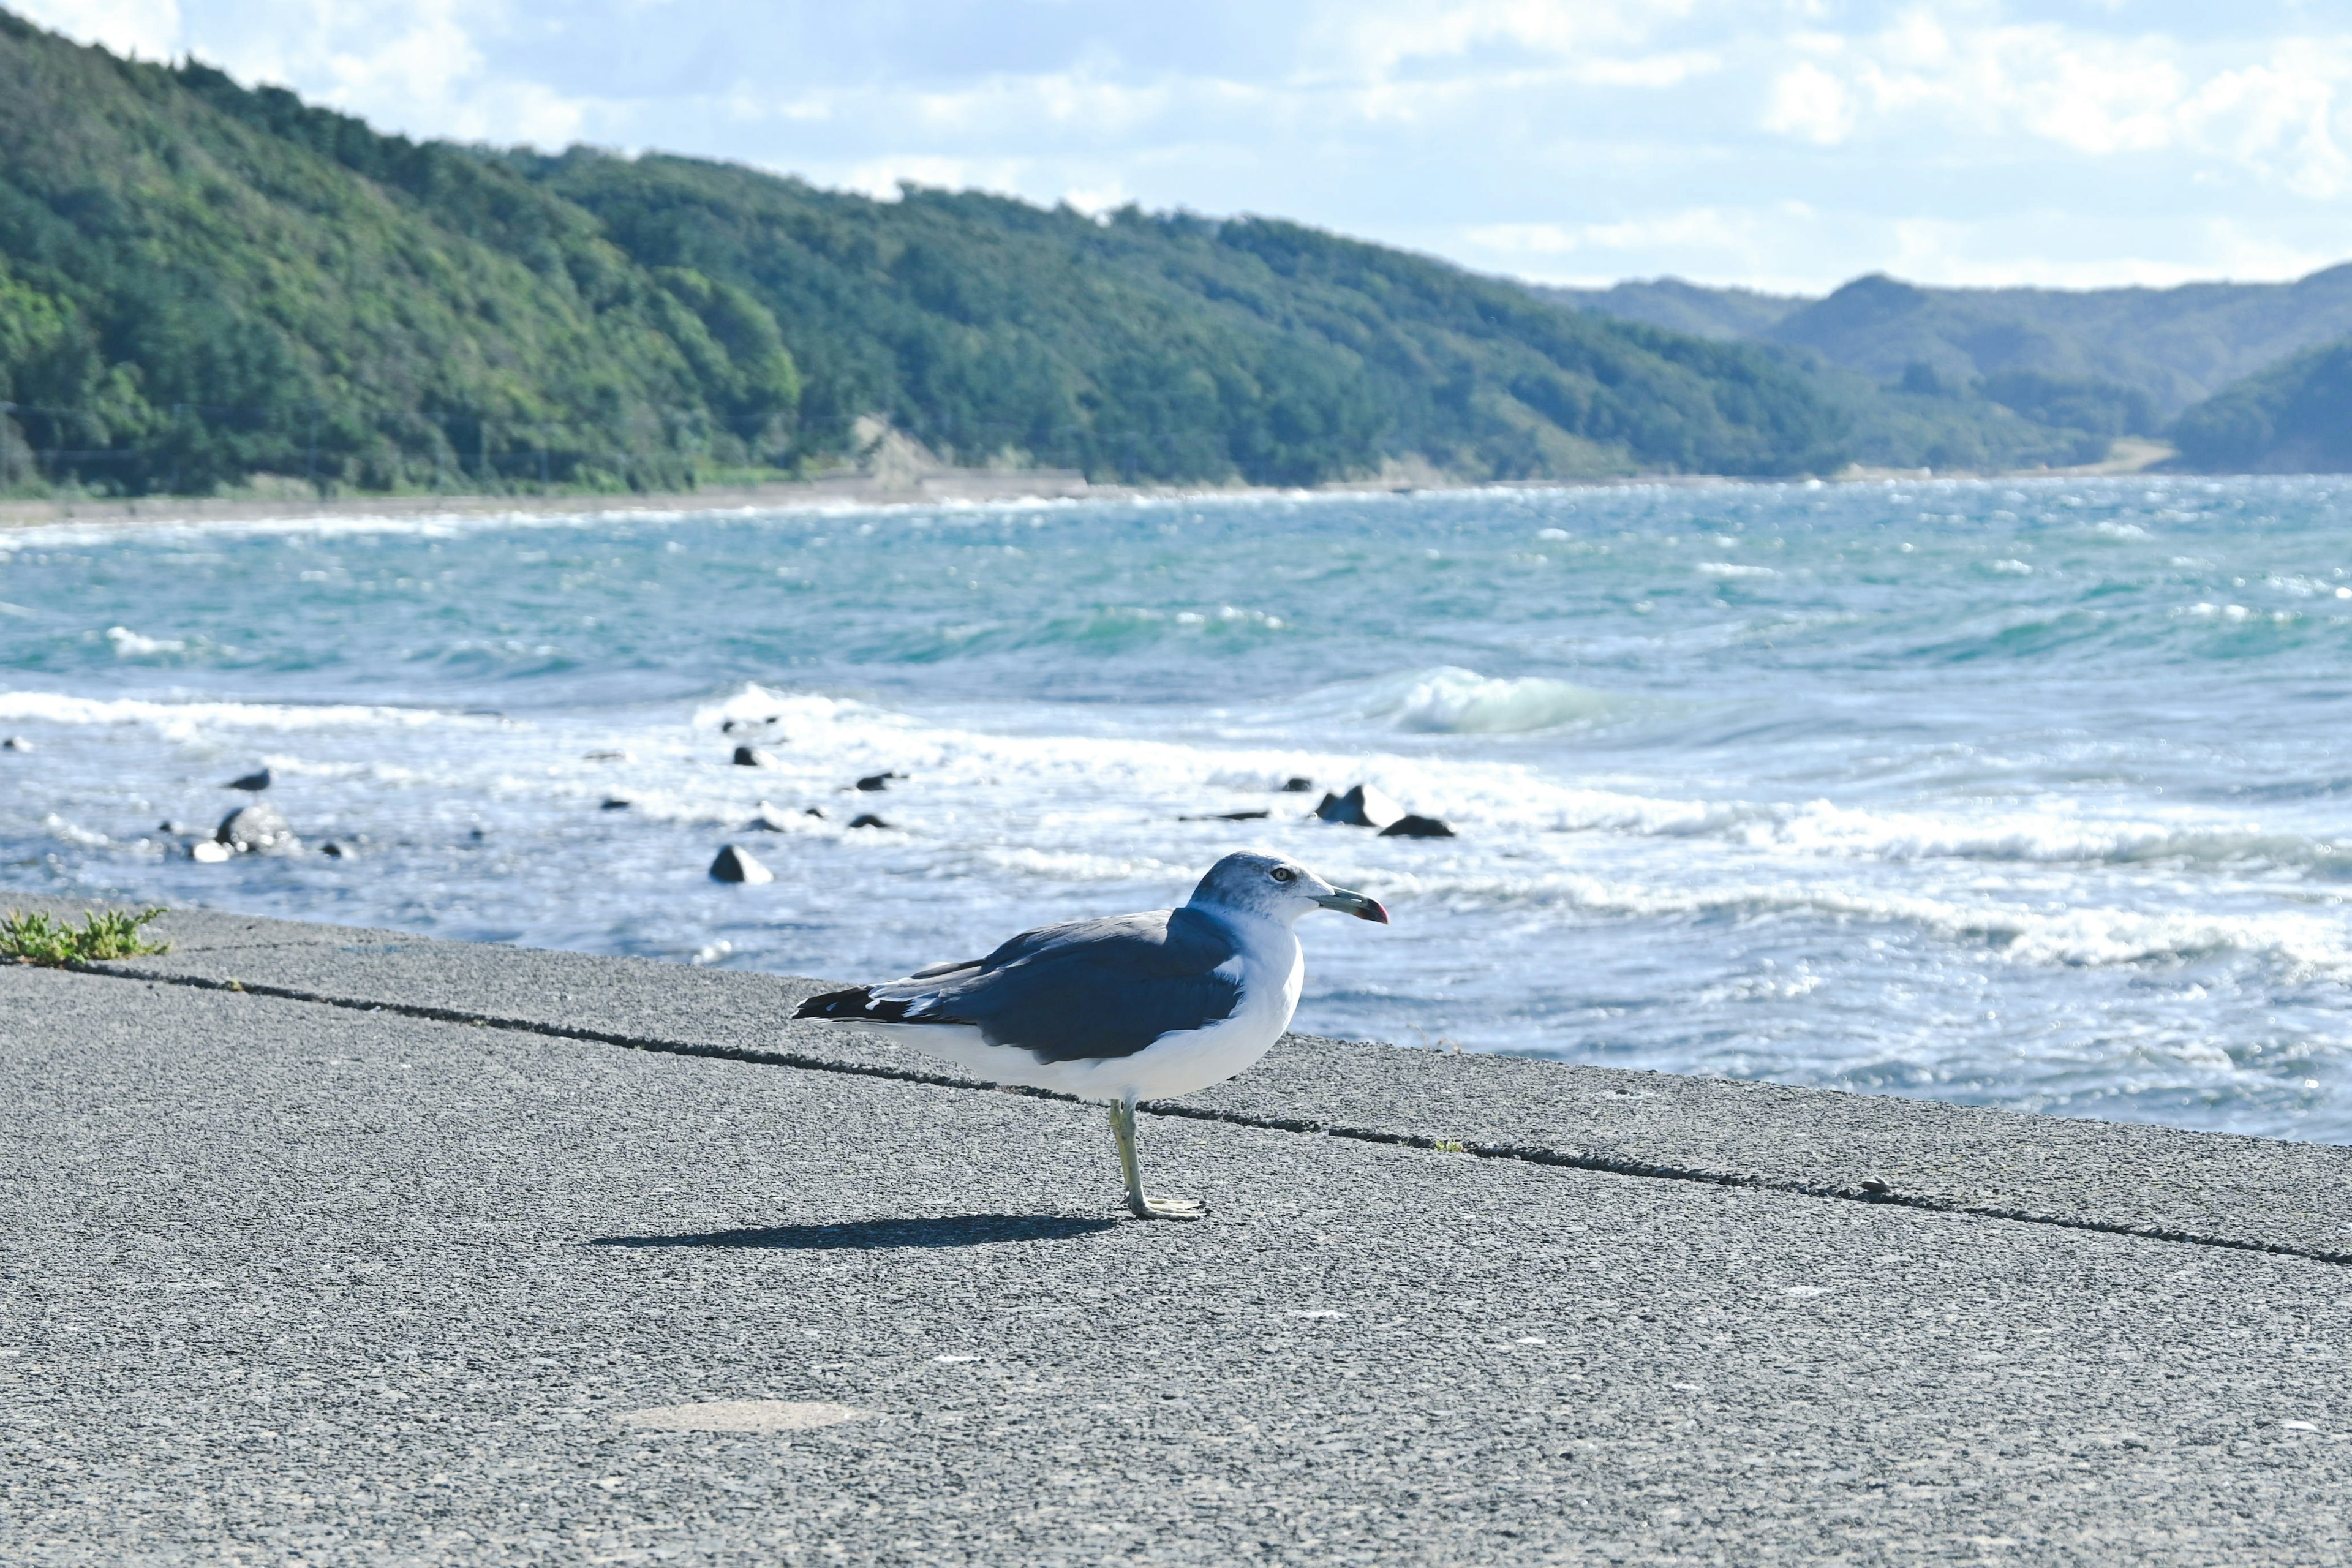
1569 1159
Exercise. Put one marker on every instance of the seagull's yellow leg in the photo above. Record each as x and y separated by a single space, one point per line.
1122 1127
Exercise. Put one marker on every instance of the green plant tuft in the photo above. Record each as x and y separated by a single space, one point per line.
36 939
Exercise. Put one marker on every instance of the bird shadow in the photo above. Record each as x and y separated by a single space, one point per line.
878 1234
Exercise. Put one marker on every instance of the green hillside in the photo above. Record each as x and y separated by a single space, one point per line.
1940 378
200 283
2294 418
195 284
1680 306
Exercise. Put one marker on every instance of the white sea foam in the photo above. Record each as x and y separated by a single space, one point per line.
819 741
2058 830
129 644
1453 701
1732 569
184 720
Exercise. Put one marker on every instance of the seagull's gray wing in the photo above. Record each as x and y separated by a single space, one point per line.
1087 989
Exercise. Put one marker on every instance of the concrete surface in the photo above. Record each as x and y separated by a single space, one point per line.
2217 1187
287 1280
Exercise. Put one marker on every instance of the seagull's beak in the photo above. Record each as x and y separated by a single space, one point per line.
1355 904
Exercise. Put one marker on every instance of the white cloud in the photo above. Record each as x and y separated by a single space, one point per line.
1809 102
149 28
880 177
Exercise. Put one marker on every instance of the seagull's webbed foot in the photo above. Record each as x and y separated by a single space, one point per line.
1122 1127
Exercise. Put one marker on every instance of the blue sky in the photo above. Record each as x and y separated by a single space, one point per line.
1786 144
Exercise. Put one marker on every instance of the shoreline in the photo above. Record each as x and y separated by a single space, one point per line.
859 492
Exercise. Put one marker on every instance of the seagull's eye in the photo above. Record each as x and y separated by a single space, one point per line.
1285 874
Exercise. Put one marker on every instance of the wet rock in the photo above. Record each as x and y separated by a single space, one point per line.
735 865
257 829
1230 816
873 782
1296 785
752 757
334 851
767 819
814 812
209 851
15 743
608 757
253 783
614 804
866 819
1411 826
1361 807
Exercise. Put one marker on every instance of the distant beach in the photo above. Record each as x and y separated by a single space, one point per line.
943 487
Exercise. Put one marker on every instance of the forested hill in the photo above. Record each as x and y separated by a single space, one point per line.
2294 418
200 282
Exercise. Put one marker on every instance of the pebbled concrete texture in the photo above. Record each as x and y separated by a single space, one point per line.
289 1282
2248 1191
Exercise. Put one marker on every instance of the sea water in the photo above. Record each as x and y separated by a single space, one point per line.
2021 793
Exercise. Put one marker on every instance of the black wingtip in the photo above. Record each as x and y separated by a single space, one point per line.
853 1003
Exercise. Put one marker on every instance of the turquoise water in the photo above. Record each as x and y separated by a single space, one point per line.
2015 793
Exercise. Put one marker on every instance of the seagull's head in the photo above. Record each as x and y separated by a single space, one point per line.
1252 882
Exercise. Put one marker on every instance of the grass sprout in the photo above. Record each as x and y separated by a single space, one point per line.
36 939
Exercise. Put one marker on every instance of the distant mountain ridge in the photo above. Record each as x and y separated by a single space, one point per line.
2178 345
2242 376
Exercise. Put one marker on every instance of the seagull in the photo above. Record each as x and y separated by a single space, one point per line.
1129 1007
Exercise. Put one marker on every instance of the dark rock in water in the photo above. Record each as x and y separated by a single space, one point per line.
812 811
477 836
867 820
256 782
334 851
735 865
1361 807
728 727
1411 827
752 757
606 756
15 743
614 804
767 819
873 782
257 829
1296 785
1230 816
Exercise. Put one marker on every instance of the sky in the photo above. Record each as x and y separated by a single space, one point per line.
1780 144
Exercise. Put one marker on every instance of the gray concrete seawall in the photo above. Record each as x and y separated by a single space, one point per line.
328 1245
